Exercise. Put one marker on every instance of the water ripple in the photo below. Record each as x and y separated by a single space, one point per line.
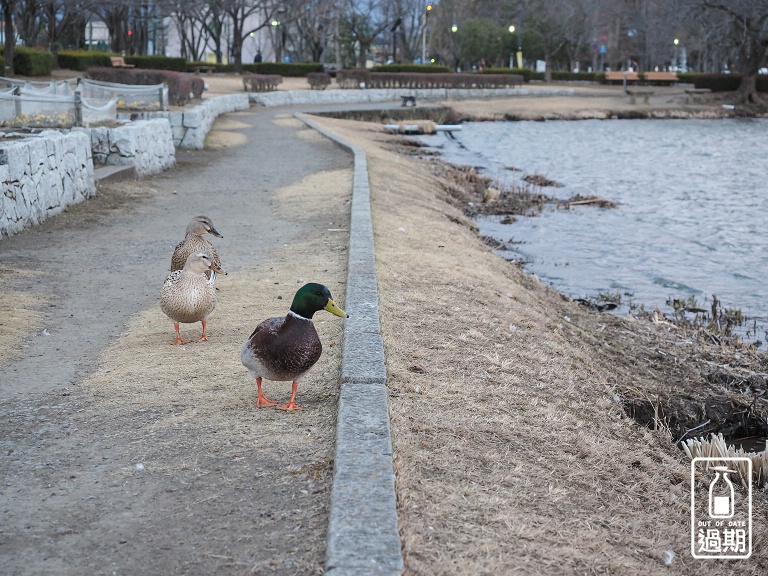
692 207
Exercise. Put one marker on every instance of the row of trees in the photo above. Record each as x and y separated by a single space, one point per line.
711 35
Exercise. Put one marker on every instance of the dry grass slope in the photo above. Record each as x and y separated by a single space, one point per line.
511 453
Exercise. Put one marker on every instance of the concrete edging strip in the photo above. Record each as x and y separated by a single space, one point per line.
362 527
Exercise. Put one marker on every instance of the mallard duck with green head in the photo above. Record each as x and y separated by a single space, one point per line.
194 241
285 348
188 296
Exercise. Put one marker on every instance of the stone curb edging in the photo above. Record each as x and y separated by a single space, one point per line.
362 527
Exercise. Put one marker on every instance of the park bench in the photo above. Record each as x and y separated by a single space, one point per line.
621 76
660 77
634 93
408 101
696 94
206 69
261 82
119 62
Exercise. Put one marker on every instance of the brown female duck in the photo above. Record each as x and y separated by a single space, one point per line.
188 296
195 242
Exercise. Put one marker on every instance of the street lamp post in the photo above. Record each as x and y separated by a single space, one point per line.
512 54
278 43
454 29
424 34
676 42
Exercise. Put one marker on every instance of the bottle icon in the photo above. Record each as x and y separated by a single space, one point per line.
721 493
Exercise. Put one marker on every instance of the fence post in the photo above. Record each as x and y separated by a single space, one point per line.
163 90
17 103
78 109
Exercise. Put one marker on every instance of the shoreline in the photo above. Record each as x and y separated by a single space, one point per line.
467 195
485 196
492 373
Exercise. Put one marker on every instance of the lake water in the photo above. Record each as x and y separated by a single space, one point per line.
692 215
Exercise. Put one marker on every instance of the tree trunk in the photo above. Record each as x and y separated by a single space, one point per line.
9 35
752 58
747 92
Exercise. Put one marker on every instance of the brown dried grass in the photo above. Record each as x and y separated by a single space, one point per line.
512 454
21 314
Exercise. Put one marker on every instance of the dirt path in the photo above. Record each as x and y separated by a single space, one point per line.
123 454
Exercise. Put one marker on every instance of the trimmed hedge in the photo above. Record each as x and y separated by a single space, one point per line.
294 69
414 68
32 62
574 76
353 78
156 62
449 80
180 85
687 77
526 73
318 80
725 82
261 82
84 59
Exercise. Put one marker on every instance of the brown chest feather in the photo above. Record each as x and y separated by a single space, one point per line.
287 346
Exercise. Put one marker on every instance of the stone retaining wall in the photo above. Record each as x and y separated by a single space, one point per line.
190 127
147 145
41 176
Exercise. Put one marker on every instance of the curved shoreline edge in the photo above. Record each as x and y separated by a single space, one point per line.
363 536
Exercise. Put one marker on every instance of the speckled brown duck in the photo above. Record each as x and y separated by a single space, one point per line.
194 241
188 296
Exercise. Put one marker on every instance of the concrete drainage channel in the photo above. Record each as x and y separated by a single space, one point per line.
362 526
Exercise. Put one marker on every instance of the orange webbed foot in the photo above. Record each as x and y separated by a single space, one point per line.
262 401
291 405
179 339
203 337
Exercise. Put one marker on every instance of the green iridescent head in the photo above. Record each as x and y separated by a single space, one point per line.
312 298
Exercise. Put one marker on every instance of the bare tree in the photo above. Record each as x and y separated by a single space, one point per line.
363 22
243 13
314 27
10 34
407 36
185 15
28 19
743 24
548 20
